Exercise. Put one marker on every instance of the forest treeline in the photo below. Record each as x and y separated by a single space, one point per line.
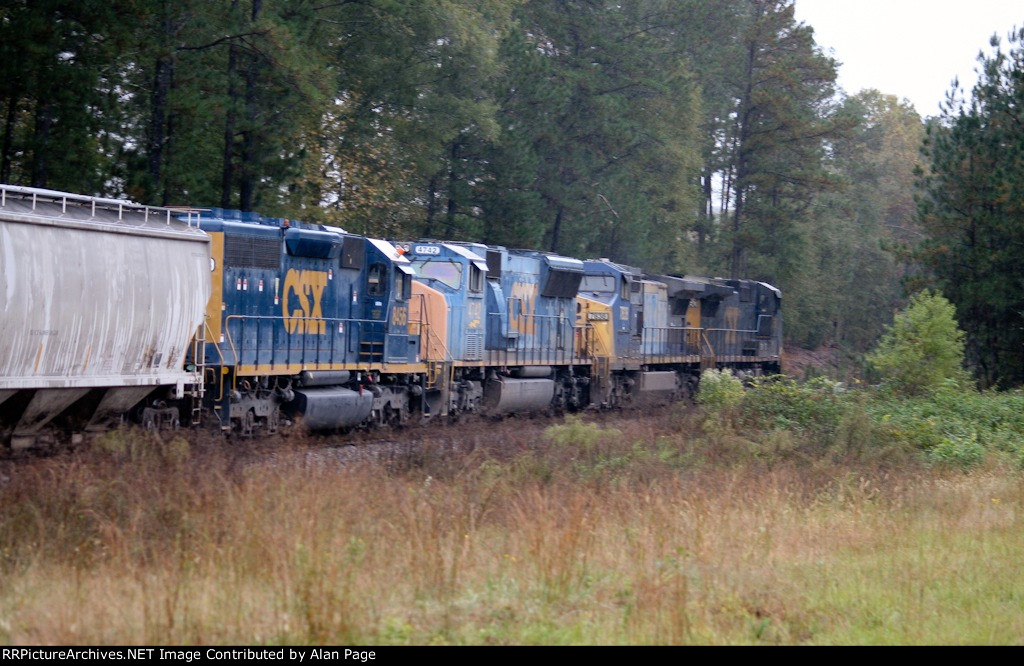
690 136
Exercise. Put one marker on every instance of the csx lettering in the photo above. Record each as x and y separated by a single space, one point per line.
400 316
302 302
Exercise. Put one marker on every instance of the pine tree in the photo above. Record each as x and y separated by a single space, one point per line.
599 145
924 347
782 123
58 91
972 209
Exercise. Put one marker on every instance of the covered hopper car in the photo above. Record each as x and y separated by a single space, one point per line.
100 301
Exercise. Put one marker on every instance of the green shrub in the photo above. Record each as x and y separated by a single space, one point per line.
961 450
816 406
923 351
955 428
719 390
577 433
599 453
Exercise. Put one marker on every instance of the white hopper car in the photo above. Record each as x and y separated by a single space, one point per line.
99 302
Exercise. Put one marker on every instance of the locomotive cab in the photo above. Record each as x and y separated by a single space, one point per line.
620 289
459 273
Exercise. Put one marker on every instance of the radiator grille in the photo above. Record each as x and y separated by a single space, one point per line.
474 346
250 252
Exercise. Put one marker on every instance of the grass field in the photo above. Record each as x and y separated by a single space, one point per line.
661 530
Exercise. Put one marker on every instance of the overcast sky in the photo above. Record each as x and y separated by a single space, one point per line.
909 48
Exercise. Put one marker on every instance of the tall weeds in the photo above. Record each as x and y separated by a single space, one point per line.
632 532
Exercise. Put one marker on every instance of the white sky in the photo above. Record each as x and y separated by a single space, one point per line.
909 48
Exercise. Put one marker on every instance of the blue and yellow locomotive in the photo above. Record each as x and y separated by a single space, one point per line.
511 326
306 323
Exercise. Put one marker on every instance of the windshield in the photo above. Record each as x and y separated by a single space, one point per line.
448 273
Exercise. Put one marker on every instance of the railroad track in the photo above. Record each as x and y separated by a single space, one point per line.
402 447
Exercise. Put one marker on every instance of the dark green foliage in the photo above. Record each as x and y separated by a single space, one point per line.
775 142
59 70
816 406
587 127
972 208
771 124
598 112
956 427
777 419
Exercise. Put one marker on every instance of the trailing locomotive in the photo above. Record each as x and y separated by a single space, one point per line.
510 316
176 315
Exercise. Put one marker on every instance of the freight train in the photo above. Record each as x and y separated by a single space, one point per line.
116 311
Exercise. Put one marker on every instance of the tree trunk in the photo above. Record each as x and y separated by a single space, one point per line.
158 120
742 167
428 232
247 184
227 170
453 179
168 149
5 151
41 145
556 229
247 177
707 210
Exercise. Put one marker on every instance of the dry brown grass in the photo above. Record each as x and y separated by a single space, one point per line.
653 533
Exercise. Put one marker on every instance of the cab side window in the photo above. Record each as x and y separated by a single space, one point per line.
476 279
377 280
403 282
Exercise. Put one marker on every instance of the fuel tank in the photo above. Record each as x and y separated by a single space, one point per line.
514 395
330 407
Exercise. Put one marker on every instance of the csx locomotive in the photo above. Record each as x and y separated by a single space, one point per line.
114 310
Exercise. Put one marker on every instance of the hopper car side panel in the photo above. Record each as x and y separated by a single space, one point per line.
99 300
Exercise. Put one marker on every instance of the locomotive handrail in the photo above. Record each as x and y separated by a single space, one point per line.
220 355
586 338
662 346
711 348
317 348
730 330
707 361
674 341
522 353
215 344
732 340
